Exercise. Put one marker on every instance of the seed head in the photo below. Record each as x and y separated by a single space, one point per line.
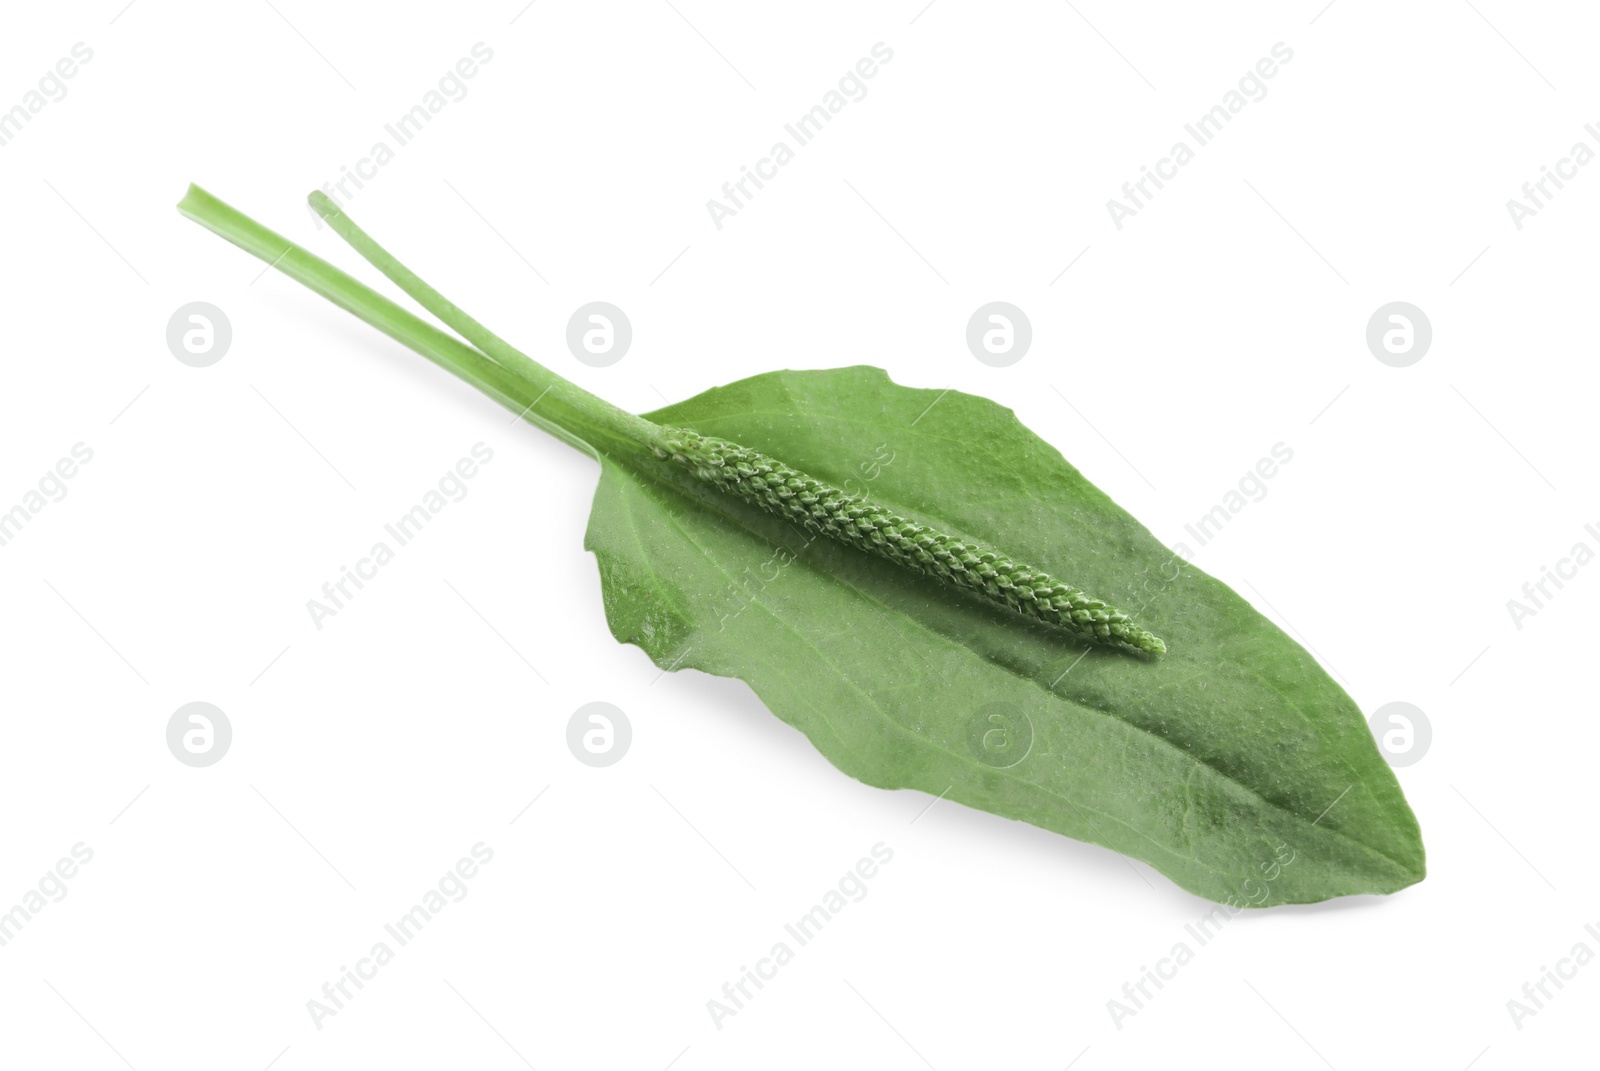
858 522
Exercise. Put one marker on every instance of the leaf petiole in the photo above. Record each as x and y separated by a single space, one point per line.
505 385
585 420
563 395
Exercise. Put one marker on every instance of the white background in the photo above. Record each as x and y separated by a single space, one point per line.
1227 316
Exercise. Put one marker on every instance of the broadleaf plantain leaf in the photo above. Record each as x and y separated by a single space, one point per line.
1233 764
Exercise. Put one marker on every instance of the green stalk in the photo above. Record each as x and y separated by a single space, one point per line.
504 385
584 420
559 393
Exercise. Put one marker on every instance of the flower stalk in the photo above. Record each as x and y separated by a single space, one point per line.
587 421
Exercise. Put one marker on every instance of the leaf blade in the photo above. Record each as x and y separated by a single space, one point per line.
1202 762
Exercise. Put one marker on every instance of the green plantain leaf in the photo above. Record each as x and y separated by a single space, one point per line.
1233 764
